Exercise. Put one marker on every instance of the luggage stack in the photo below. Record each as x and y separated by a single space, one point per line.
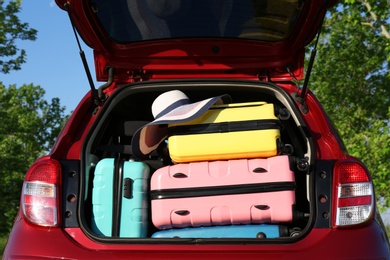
229 178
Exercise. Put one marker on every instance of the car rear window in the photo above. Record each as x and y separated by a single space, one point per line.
138 20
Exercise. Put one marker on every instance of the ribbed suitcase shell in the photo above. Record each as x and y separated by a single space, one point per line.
231 231
134 210
224 143
228 192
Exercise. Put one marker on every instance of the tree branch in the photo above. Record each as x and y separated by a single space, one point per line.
384 31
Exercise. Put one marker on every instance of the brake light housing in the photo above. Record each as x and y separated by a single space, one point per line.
353 194
40 198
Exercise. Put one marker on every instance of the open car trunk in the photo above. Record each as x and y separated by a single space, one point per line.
110 140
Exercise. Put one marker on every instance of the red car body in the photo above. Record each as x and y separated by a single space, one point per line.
53 218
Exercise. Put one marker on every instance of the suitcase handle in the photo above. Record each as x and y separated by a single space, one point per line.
182 212
127 188
262 207
259 170
180 175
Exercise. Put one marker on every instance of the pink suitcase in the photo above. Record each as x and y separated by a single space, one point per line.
241 191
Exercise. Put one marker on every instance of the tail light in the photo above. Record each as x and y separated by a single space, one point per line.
40 195
353 194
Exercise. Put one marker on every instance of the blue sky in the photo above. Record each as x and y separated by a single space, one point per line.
53 60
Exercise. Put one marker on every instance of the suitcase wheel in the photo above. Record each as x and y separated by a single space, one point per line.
261 235
303 164
295 232
287 149
284 114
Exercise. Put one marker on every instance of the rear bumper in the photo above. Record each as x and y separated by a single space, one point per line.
30 242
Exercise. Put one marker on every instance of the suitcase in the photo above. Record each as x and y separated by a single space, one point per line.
241 191
120 201
231 231
230 131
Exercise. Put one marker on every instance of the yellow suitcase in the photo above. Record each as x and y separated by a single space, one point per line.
230 131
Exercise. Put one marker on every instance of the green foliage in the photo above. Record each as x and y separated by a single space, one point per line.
12 29
29 127
3 241
352 80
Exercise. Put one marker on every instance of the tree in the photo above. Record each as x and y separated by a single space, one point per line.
29 127
351 78
12 29
29 123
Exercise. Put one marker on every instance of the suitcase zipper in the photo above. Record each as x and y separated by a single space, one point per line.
224 127
221 190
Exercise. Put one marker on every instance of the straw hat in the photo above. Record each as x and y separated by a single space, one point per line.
169 108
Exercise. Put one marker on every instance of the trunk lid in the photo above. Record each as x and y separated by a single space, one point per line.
147 40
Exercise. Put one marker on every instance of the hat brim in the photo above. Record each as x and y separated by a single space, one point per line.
147 138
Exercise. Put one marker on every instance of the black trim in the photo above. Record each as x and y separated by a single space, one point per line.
323 179
70 195
117 196
221 190
225 127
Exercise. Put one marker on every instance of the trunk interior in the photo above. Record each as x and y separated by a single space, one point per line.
130 108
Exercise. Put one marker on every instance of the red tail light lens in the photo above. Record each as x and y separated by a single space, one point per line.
353 194
40 195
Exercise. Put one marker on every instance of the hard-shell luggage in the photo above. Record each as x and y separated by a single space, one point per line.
230 131
231 231
241 191
120 201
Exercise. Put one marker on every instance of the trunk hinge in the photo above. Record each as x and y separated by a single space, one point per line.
300 95
138 75
263 76
97 95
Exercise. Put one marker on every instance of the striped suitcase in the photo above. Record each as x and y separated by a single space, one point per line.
120 203
230 131
243 191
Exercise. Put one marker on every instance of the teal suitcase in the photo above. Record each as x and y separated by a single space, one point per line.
120 202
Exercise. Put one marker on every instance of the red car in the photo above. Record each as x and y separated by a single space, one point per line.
252 51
